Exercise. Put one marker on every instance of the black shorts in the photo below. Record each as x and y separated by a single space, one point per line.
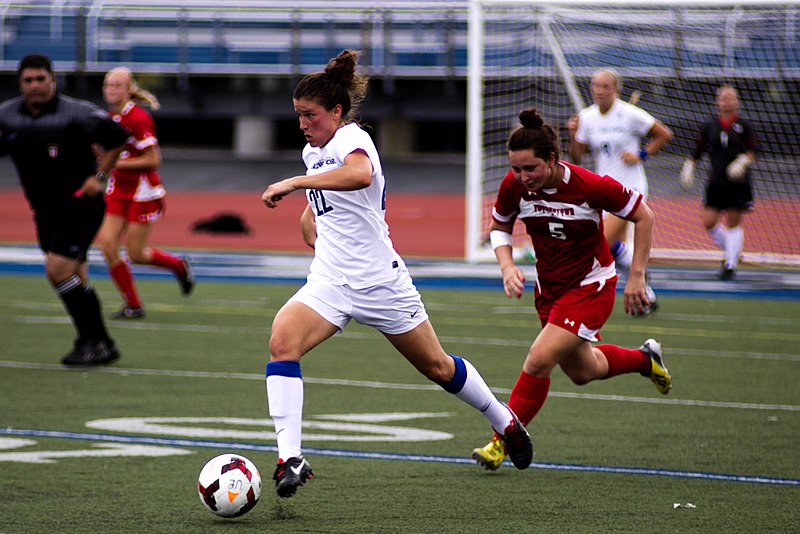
729 195
69 229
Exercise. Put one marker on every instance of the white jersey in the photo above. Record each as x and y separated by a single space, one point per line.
353 246
608 135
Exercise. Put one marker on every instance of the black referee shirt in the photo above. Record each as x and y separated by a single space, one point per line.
53 150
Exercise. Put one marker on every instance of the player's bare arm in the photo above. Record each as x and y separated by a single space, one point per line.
659 135
149 159
95 185
275 192
308 226
634 294
513 278
356 173
576 149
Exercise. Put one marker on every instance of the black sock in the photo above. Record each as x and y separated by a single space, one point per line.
84 308
95 310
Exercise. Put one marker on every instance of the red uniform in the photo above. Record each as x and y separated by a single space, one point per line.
576 277
136 194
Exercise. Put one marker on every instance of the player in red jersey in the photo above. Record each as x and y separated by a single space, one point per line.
561 206
135 195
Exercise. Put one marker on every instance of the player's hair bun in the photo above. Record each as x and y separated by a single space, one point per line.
530 118
343 67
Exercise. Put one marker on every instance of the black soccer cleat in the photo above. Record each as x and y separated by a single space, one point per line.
187 279
129 312
518 443
91 353
290 474
727 272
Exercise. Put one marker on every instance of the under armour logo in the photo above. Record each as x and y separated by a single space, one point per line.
571 323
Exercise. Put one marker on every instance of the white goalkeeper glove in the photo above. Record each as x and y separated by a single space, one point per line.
687 174
738 167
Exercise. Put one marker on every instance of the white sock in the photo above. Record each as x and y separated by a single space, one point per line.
285 397
624 256
733 247
720 235
477 394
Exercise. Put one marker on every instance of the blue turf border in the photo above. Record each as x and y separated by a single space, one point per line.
368 455
739 289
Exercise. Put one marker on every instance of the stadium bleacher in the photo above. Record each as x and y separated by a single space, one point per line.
279 37
233 61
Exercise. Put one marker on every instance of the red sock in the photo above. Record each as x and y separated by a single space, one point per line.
159 258
528 396
121 274
621 360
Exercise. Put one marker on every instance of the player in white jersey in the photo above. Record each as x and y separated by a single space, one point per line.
355 274
612 130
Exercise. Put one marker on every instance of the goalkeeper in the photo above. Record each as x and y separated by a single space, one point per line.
731 144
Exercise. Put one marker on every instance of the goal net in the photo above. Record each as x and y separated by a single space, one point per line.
673 55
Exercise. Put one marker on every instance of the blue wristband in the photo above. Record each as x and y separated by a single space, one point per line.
643 155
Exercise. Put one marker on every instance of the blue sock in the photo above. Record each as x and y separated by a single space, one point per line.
290 369
459 378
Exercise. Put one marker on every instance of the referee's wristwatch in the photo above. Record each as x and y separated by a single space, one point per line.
101 176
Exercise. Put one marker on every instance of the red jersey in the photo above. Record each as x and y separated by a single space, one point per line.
141 184
566 225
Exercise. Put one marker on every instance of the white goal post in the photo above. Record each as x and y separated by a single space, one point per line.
674 55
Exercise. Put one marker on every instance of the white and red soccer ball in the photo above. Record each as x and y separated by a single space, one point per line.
229 485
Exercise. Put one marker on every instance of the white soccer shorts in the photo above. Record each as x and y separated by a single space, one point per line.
394 307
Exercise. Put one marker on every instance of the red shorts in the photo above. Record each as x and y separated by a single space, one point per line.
145 212
582 311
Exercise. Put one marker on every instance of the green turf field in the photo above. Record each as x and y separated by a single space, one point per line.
612 456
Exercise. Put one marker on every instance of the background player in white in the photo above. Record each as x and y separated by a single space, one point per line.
731 145
355 273
561 206
135 194
612 130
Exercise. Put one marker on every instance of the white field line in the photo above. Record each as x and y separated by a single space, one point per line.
478 341
415 387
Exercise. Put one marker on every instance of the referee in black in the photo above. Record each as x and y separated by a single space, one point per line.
50 138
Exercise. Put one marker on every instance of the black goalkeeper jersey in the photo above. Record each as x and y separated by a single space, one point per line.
723 145
53 151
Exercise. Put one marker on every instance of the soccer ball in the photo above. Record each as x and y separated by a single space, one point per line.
229 485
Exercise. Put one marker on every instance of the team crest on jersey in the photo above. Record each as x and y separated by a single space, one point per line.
736 127
52 151
323 162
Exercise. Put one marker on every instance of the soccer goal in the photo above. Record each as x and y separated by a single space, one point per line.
672 56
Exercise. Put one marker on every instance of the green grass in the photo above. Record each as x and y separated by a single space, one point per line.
739 354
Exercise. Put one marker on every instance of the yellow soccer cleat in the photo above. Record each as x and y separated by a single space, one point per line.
491 455
658 374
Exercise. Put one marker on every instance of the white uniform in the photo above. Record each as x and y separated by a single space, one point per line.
356 272
608 135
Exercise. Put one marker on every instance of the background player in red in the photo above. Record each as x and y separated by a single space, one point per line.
135 195
562 208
